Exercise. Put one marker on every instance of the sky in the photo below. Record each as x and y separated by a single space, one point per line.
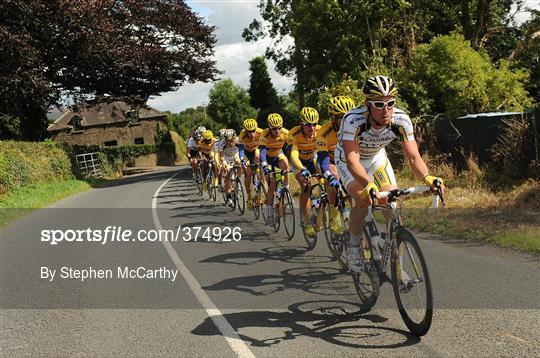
232 53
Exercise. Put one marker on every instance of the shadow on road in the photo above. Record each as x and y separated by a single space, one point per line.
336 322
290 254
323 281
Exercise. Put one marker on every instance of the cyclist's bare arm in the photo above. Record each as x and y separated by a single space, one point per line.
413 157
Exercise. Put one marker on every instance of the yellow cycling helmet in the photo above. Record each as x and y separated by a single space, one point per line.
275 120
309 115
207 134
340 105
250 124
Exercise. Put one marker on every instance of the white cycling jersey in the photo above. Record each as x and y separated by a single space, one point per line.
355 126
229 152
192 143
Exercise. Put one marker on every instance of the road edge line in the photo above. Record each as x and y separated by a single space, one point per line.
238 346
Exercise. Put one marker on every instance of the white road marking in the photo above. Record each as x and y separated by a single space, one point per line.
235 342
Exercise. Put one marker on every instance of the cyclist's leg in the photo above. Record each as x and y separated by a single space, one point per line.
250 156
274 162
383 176
228 172
284 165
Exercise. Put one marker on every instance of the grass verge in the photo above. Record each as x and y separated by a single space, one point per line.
506 218
23 200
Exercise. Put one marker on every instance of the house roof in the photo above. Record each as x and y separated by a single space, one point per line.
103 113
490 114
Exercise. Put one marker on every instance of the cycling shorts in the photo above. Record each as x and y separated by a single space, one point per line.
378 168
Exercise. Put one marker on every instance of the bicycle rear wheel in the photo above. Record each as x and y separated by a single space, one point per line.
367 285
287 211
411 283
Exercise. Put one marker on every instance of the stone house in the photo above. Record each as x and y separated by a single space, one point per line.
107 124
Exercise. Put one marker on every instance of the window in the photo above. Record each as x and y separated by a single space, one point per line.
133 116
76 122
139 140
111 143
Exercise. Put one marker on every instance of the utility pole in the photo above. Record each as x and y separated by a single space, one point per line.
204 108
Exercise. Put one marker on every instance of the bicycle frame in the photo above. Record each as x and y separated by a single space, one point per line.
394 222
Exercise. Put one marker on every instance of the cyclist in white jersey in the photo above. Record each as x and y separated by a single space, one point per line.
228 153
361 158
193 148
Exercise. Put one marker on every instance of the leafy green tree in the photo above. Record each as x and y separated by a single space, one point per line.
229 104
125 49
189 119
449 76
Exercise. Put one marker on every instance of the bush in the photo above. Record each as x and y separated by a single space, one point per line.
449 76
25 163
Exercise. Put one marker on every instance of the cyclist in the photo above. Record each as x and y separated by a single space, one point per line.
217 161
228 153
193 148
302 138
326 145
272 141
249 149
361 158
206 147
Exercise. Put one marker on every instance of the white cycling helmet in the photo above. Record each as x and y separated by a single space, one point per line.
229 134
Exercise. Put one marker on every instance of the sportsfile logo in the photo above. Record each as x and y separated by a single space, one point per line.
119 234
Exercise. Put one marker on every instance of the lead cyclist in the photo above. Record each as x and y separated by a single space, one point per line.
361 157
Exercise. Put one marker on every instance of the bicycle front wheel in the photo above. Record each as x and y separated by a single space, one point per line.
331 239
410 280
200 180
240 198
287 211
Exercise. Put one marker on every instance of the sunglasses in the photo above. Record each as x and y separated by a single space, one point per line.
207 140
308 125
275 128
251 132
380 104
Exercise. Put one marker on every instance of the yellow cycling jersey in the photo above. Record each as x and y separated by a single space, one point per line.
206 148
327 139
250 144
273 144
303 148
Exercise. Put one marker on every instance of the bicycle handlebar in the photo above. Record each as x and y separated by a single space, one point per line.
392 195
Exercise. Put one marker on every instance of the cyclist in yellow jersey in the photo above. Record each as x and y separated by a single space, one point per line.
272 141
327 139
303 141
206 149
249 152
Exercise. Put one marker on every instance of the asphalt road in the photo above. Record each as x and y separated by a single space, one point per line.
261 296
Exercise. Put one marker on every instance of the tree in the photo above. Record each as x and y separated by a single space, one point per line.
229 104
189 119
262 94
449 76
125 49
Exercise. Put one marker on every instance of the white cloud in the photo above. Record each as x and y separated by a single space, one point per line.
232 54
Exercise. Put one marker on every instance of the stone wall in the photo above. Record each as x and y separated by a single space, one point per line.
123 134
